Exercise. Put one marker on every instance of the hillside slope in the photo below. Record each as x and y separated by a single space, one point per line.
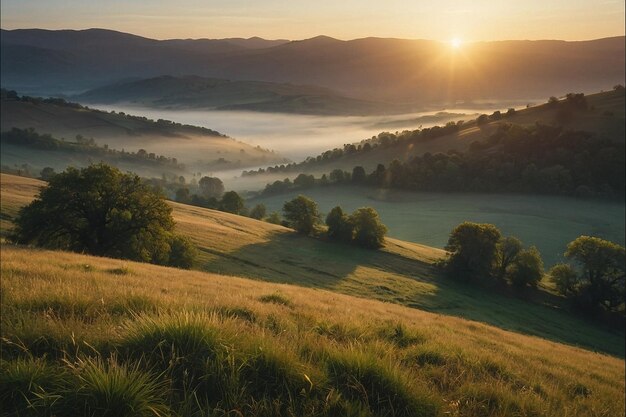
605 117
401 273
267 349
192 92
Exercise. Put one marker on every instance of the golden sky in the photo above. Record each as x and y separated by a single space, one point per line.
475 20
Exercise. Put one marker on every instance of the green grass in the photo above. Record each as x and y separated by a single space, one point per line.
401 273
208 345
547 222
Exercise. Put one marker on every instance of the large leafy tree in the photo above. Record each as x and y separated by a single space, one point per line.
231 203
302 214
473 251
102 211
601 273
211 187
369 231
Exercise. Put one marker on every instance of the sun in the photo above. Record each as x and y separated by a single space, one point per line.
456 43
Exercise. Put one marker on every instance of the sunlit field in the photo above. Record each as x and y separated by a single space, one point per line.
121 334
401 273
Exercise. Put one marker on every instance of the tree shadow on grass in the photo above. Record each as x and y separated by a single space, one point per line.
311 262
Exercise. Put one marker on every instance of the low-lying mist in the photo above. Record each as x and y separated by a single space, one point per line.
298 136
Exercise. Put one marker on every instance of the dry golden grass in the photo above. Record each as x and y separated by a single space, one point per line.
401 273
57 301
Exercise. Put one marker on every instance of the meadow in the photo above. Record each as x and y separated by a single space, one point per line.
547 222
401 273
97 336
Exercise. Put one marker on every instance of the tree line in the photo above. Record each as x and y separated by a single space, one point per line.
31 138
593 279
363 227
540 159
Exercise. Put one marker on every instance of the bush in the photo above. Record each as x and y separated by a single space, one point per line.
182 252
273 218
564 278
258 212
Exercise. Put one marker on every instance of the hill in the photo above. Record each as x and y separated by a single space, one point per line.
425 73
604 117
402 273
200 149
103 333
192 92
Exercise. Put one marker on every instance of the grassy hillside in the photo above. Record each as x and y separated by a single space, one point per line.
192 92
402 273
196 147
102 333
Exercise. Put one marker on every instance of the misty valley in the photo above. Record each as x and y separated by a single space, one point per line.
374 227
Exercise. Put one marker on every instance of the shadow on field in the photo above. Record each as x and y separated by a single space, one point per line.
294 259
301 260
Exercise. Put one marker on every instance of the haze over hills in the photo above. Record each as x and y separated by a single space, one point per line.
418 71
193 92
605 117
194 146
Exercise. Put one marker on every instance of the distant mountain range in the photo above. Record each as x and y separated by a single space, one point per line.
193 92
420 72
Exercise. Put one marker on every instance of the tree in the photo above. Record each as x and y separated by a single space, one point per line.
358 175
526 269
601 277
211 187
231 203
182 195
508 249
273 218
258 212
182 253
337 175
101 211
473 251
339 224
301 214
565 279
482 119
304 181
47 173
369 231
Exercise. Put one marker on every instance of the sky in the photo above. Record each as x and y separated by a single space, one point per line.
475 20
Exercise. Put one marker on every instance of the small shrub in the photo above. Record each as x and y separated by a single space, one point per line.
110 389
239 313
400 336
29 387
364 378
122 270
576 389
275 298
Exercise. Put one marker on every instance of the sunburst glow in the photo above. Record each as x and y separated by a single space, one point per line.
456 43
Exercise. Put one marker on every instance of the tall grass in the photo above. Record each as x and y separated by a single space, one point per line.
194 344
